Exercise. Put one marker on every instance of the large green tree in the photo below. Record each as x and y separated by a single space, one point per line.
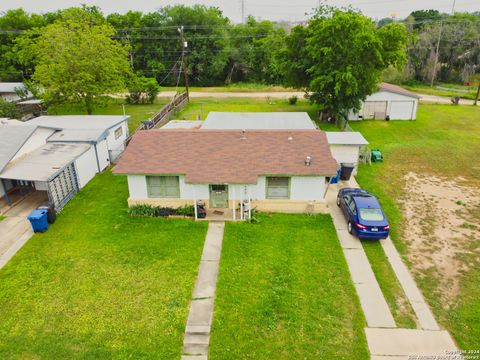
339 57
78 61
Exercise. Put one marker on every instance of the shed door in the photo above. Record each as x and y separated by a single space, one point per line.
375 110
401 110
219 196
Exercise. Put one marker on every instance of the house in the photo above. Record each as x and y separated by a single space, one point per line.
8 90
271 170
258 120
56 155
390 102
346 146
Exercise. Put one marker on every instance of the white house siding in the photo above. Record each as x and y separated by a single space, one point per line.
41 185
346 154
304 191
398 106
36 140
102 152
86 166
10 96
117 144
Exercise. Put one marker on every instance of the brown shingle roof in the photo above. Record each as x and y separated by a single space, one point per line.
227 156
397 89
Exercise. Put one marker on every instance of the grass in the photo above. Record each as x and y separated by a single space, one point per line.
426 89
99 284
401 309
138 113
284 292
444 141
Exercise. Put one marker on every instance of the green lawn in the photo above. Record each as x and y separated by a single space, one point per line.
99 284
444 141
138 113
284 292
202 106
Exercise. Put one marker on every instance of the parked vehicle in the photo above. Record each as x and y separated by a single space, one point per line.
364 214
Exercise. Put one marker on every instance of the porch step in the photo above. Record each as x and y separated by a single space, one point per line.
202 338
195 349
197 329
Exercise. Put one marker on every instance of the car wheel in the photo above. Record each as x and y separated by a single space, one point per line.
338 201
350 229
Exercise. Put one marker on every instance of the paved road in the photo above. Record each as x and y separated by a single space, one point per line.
285 95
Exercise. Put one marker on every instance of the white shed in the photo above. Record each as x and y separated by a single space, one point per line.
390 102
345 146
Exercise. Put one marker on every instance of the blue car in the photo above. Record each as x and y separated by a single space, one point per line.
364 214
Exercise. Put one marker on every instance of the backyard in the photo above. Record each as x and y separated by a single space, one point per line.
100 284
284 292
428 185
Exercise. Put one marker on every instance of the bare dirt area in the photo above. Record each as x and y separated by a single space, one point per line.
442 229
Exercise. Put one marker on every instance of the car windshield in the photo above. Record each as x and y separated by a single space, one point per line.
371 214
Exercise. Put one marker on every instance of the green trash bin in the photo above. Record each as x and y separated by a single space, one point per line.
376 155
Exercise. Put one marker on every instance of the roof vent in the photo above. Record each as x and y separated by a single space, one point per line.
290 138
244 136
308 160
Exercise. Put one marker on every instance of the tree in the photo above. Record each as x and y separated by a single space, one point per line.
8 109
339 57
142 90
78 61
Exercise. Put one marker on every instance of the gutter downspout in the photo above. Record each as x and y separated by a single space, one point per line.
96 156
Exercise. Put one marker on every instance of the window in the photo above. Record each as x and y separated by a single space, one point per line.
118 132
352 207
371 214
163 186
278 188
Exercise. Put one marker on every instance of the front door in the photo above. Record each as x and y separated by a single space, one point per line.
219 196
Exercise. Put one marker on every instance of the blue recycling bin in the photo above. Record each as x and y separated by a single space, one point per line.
334 180
38 219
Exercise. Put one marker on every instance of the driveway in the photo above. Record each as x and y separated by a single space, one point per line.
15 229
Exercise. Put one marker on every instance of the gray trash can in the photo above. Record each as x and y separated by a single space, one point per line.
346 171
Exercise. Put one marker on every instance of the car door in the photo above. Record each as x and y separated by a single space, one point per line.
344 204
352 211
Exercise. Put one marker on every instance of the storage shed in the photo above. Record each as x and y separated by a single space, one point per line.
346 146
390 102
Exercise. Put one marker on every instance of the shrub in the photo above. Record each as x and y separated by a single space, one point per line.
186 210
143 210
165 211
292 100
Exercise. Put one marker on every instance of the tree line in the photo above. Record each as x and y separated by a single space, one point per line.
338 56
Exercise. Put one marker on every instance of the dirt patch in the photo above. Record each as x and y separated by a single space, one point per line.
442 229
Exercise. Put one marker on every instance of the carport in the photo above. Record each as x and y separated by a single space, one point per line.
49 169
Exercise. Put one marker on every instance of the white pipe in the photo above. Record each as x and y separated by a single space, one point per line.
241 204
233 203
249 204
195 202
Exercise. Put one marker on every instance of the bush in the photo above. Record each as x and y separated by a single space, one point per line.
142 210
186 210
165 211
142 90
8 109
292 100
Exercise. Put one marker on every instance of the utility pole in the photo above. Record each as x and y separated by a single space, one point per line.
184 45
478 94
437 49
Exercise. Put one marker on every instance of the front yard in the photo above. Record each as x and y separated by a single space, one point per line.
284 292
428 185
99 284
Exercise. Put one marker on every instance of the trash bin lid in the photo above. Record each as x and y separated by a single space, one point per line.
37 214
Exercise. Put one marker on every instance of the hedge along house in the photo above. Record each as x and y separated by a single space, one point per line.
271 170
390 102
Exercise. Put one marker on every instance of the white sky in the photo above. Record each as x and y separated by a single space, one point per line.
266 9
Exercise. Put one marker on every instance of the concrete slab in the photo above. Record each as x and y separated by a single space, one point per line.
374 306
348 241
408 342
206 280
415 297
359 266
201 312
14 234
194 357
213 242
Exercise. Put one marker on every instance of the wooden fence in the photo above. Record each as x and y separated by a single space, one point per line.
163 116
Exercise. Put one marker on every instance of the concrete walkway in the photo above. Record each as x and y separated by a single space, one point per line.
197 332
384 340
372 301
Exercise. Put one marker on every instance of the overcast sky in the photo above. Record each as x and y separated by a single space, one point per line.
266 9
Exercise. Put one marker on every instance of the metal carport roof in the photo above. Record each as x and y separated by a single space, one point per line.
12 138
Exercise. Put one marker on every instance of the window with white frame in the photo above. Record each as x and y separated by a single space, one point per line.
163 187
118 132
278 188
